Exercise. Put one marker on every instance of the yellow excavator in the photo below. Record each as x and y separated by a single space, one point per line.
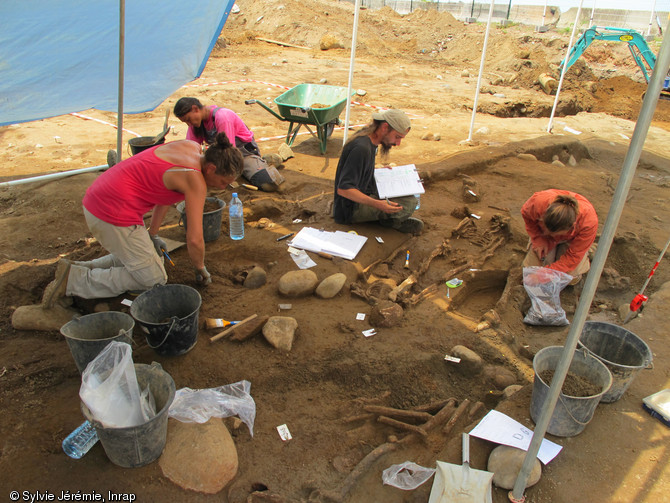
637 45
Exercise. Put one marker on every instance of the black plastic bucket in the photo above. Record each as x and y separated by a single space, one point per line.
572 413
87 335
211 220
140 445
168 314
141 143
622 352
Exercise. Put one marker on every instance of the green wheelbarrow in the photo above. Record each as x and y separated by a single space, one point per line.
309 105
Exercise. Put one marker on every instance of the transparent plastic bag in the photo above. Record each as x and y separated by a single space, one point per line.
110 390
199 405
407 475
544 287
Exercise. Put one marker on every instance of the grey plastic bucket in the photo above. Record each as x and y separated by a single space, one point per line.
571 414
211 220
140 445
141 143
622 352
168 314
87 335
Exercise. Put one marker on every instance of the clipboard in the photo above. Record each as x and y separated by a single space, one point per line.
340 244
398 181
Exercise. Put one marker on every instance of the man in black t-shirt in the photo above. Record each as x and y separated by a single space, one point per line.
356 197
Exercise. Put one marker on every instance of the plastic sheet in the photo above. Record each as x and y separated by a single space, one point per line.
199 405
407 475
544 286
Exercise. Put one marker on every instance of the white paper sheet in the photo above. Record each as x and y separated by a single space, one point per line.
338 243
501 429
398 181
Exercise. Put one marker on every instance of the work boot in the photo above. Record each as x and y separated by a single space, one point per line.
56 289
410 226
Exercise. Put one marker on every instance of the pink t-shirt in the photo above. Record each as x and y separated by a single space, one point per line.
224 121
124 193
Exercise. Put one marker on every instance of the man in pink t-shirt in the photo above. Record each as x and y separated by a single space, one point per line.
204 122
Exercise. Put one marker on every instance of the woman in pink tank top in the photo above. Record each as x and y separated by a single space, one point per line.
115 205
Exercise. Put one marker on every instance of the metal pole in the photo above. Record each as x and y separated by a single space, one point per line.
119 113
53 176
544 12
651 17
593 9
591 283
565 65
472 9
481 71
509 8
351 69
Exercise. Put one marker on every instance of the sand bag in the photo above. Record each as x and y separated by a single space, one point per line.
544 286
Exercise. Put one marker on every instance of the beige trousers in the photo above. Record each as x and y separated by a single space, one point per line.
132 264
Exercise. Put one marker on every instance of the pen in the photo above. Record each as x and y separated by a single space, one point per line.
285 236
407 260
167 256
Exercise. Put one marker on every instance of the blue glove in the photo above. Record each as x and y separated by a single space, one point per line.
159 244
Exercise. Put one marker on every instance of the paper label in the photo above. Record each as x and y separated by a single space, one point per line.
127 302
284 434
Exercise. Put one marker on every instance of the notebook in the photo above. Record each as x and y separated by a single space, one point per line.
398 181
338 243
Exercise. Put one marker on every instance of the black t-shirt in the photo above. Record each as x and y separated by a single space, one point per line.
355 170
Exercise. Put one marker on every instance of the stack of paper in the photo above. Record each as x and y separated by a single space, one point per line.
338 243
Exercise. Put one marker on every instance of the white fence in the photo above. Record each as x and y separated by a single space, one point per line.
643 21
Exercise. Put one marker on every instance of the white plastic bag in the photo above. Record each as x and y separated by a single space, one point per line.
544 286
406 475
110 391
199 405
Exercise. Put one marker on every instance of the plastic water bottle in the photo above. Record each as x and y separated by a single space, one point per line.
236 223
418 201
80 441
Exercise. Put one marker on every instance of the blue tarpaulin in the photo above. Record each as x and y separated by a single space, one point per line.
62 57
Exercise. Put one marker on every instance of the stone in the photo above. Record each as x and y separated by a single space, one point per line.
572 161
465 73
505 463
279 331
499 376
37 317
199 457
298 283
274 160
483 130
471 363
623 311
386 314
527 157
510 390
285 151
256 278
331 286
330 41
558 163
427 136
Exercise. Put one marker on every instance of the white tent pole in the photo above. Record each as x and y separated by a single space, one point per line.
565 65
593 10
593 277
651 17
481 71
544 12
53 176
351 69
119 113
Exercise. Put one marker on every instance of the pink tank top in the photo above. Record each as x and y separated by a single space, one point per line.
124 193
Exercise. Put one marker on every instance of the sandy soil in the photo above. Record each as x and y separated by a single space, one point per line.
425 63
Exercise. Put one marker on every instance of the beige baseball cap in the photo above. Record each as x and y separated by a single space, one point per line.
397 119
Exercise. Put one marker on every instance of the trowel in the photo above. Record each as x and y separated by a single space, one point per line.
166 128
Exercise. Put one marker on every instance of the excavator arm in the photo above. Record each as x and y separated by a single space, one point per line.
637 45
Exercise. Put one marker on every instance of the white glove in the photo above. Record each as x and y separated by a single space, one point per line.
159 244
202 277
